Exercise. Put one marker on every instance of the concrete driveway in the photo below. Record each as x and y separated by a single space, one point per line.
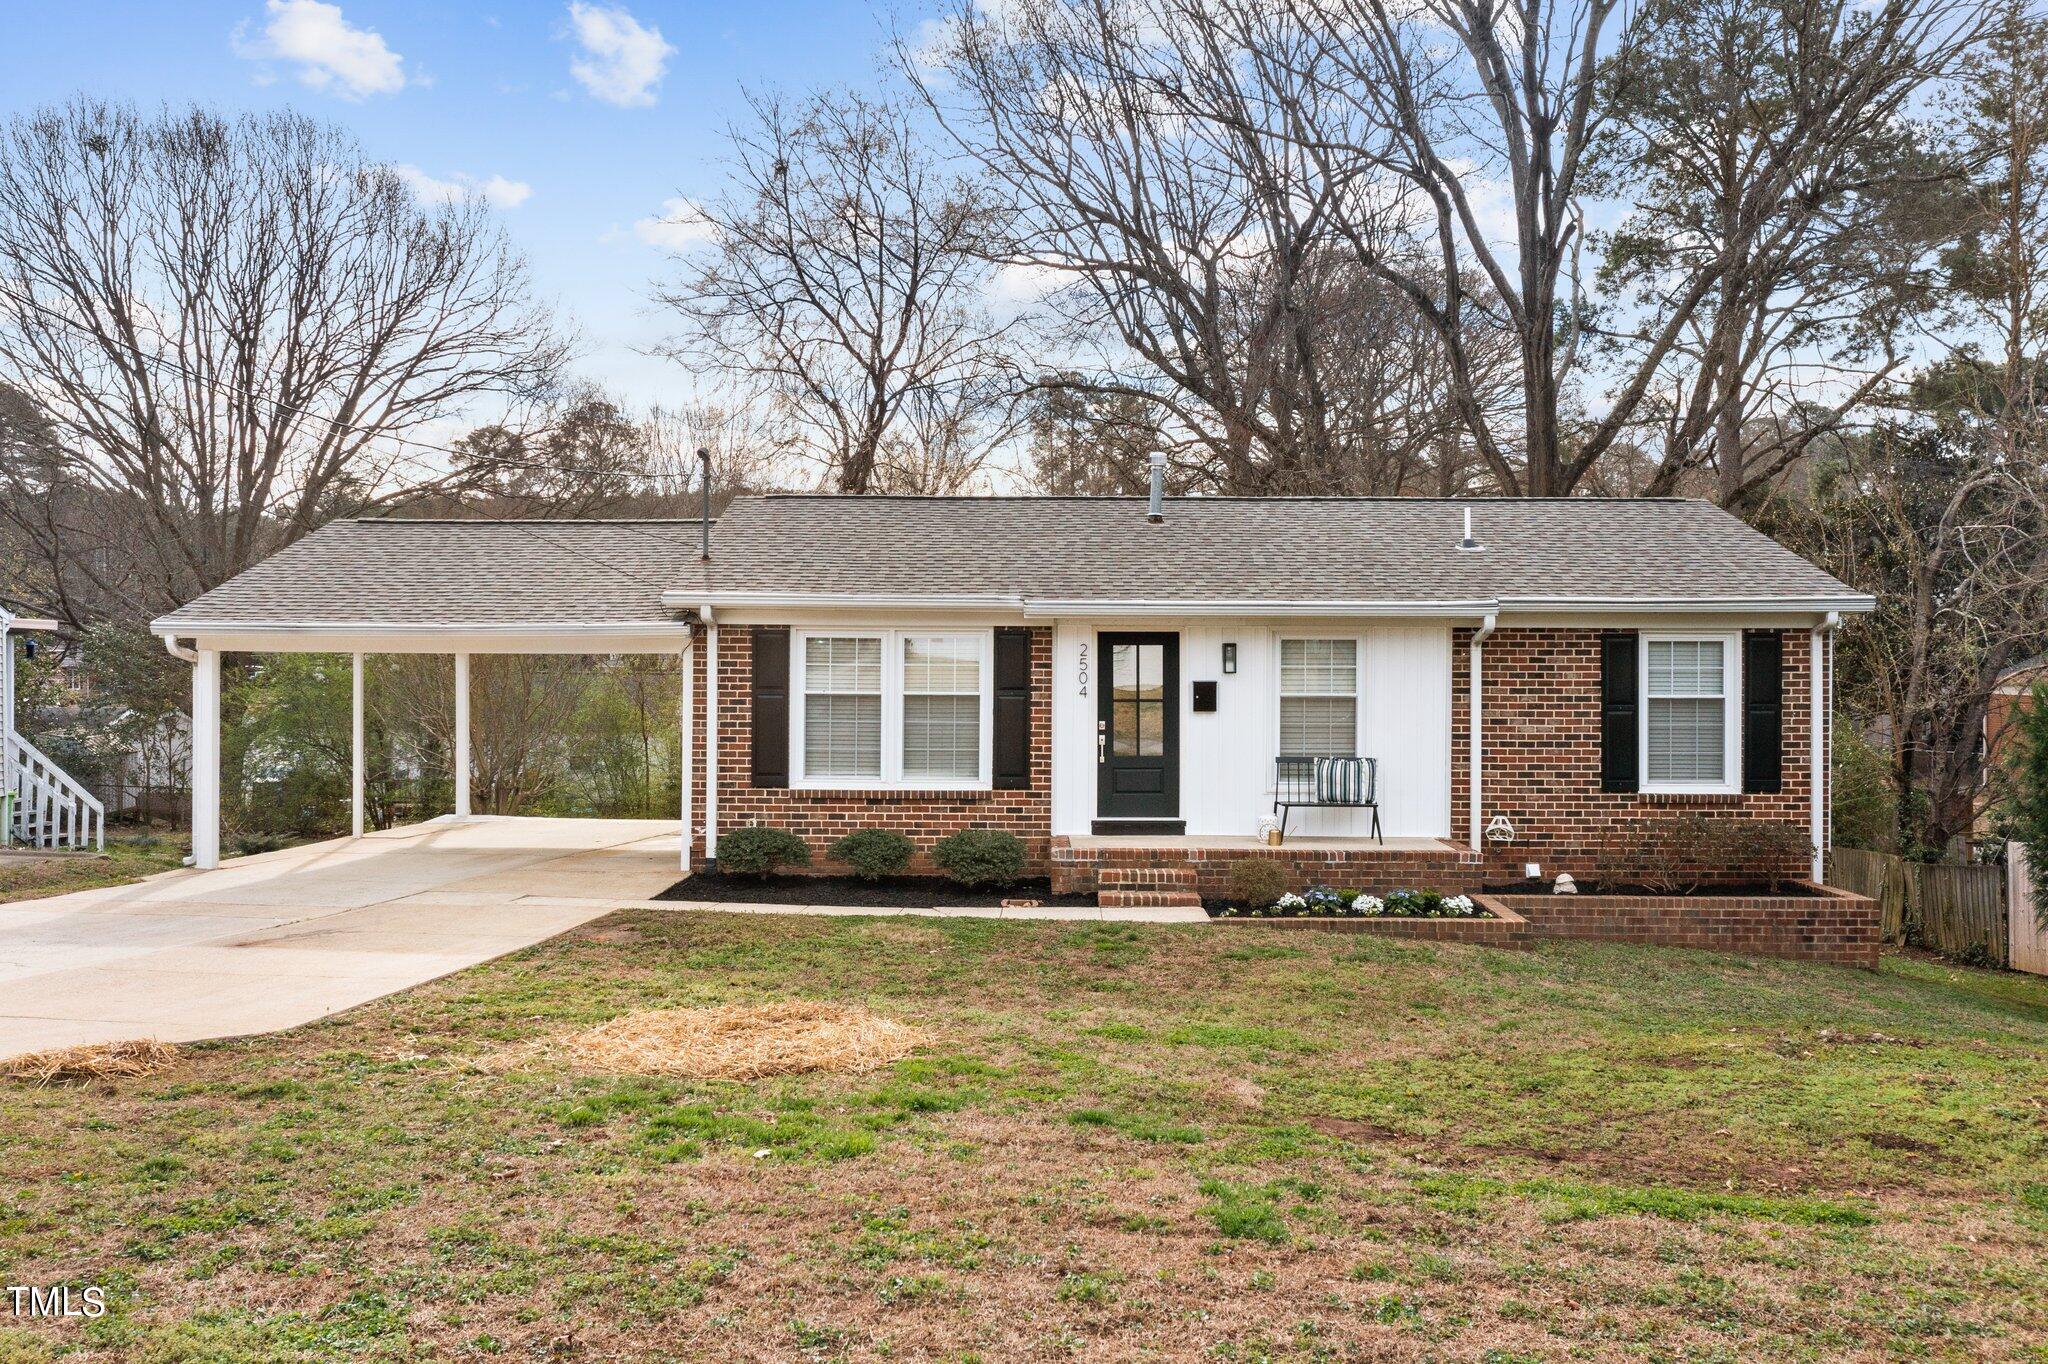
283 938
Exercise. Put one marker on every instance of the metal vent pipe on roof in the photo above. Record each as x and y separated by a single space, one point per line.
704 527
1155 512
1468 542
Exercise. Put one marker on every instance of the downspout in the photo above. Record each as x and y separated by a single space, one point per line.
1820 741
1479 636
689 725
710 731
177 650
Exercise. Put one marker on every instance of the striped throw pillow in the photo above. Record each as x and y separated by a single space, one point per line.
1340 781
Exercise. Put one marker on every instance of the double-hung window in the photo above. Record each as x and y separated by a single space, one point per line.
1319 697
842 712
892 708
1690 741
942 708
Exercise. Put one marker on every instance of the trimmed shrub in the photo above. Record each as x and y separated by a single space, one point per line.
873 853
1258 881
981 857
760 851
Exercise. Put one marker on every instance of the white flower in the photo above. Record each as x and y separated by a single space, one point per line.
1290 901
1368 904
1458 904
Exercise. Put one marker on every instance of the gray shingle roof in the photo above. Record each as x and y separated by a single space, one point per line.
395 572
1249 549
1397 550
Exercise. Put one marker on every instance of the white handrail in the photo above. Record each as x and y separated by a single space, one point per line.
51 809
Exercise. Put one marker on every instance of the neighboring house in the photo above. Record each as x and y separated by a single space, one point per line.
1098 679
2009 697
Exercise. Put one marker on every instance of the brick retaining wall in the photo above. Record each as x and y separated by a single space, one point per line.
1077 871
1835 926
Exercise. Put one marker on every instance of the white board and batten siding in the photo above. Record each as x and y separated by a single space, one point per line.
1226 756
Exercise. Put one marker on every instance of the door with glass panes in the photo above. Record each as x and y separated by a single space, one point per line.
1137 729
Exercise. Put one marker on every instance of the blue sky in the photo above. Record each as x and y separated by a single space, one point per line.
585 110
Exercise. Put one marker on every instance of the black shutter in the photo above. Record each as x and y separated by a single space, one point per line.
1012 764
1618 746
768 726
1763 710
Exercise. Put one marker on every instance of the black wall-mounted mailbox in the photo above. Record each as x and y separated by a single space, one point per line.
1205 696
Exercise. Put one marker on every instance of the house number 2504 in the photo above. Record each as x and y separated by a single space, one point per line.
1083 670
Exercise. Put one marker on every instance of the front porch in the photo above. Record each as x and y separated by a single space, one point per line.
1196 864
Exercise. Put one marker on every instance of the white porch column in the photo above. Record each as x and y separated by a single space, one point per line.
711 740
355 775
1817 747
461 760
689 739
206 759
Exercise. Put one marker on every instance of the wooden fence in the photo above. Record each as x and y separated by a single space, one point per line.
1956 908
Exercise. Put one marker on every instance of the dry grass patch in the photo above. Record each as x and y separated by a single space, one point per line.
743 1041
96 1061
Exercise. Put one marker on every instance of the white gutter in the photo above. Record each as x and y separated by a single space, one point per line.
1851 604
1241 607
1472 676
410 629
1819 748
177 650
687 599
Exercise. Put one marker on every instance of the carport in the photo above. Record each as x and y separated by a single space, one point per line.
460 588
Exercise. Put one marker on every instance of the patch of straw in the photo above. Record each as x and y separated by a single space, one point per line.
95 1061
743 1041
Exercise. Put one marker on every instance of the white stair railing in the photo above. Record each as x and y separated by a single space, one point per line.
50 809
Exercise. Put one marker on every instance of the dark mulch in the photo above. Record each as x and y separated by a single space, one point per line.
1787 889
894 892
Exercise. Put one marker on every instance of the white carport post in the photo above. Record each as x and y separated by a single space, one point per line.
206 758
462 768
355 774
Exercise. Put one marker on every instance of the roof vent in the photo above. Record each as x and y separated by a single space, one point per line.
1468 543
1155 511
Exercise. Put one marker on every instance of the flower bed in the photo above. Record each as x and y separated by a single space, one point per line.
1322 902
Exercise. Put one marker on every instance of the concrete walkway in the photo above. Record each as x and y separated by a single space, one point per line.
282 938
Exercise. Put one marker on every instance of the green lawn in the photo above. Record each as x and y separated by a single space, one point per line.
1126 1142
127 858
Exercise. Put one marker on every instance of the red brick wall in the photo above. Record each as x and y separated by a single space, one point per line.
1378 870
821 818
1541 712
1837 927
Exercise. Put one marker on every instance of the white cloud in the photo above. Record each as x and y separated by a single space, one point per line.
496 190
329 52
680 226
623 59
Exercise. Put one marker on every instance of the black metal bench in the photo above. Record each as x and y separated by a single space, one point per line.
1294 786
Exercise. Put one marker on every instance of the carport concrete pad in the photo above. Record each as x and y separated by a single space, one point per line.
283 938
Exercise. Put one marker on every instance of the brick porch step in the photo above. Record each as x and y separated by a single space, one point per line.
1146 878
1147 899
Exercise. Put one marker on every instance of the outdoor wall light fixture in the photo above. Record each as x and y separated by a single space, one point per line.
1230 658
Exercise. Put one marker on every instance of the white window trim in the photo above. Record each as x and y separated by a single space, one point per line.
1731 713
892 778
1280 641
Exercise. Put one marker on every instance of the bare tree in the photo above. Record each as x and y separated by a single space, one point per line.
1186 243
844 286
1443 107
228 323
1816 281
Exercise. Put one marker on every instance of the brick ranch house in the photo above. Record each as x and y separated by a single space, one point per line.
1571 683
